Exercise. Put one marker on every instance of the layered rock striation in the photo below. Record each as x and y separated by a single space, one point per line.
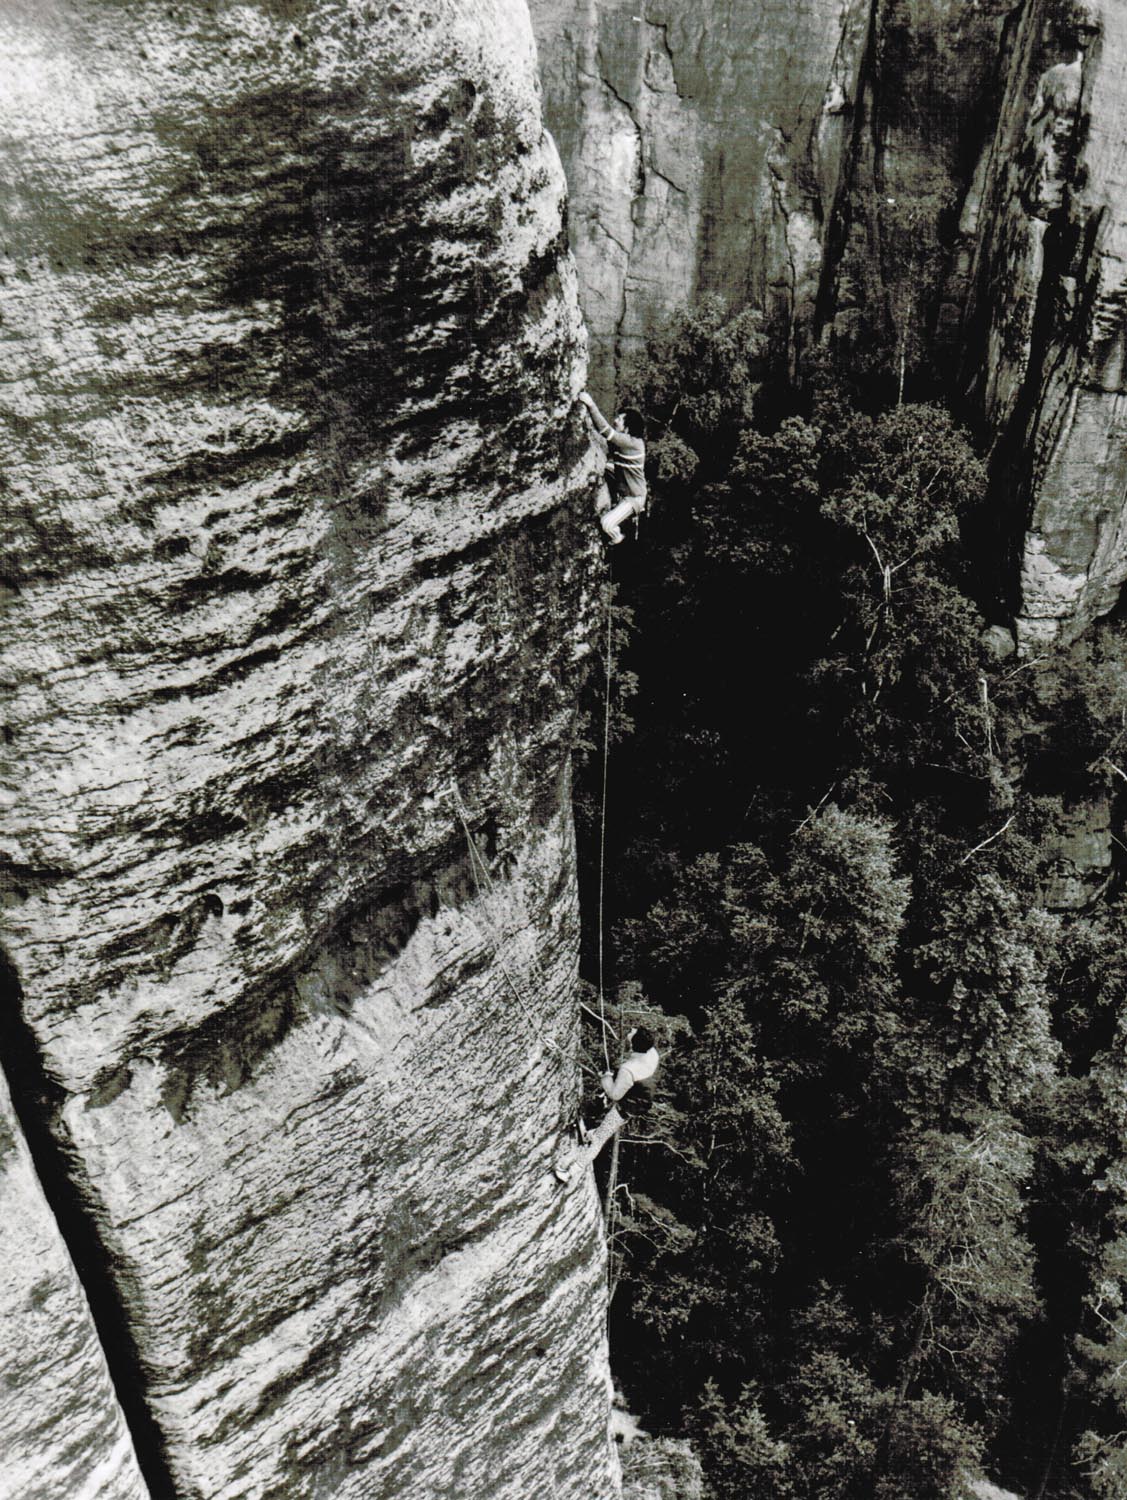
298 589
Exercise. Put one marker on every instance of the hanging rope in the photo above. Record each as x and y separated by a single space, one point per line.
610 1220
610 1206
603 816
477 862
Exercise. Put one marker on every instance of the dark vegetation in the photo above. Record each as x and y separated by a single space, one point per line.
871 1239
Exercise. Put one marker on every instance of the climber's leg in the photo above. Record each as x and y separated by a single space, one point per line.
612 519
571 1160
612 1121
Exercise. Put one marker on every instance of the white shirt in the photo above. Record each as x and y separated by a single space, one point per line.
641 1064
632 1070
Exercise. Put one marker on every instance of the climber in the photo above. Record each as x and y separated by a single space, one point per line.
634 1082
626 473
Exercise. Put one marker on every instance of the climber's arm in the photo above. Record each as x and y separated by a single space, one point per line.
617 1085
603 427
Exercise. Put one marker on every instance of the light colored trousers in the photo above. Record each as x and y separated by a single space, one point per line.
611 520
612 1122
585 1156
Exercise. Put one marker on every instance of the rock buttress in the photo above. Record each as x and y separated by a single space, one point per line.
898 246
703 144
1046 328
298 564
62 1431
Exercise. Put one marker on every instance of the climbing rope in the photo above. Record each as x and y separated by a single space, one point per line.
477 862
610 1206
610 1220
603 815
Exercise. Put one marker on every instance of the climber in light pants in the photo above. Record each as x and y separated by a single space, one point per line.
636 1076
627 469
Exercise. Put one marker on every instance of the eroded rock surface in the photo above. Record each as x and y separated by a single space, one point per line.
703 146
301 571
1050 293
61 1429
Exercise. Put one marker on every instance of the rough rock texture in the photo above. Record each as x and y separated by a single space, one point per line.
1049 307
897 257
703 146
804 157
1079 856
300 557
61 1429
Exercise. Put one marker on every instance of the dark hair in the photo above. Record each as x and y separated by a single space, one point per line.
635 425
642 1040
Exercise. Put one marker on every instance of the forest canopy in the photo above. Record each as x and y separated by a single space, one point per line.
871 1240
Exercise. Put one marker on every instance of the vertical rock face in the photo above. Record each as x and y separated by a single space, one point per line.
1048 320
777 153
703 145
61 1429
927 107
299 577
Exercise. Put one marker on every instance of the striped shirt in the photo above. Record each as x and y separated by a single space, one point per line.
628 463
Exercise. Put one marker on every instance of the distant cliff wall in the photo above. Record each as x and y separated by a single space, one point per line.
1047 323
703 144
299 562
791 156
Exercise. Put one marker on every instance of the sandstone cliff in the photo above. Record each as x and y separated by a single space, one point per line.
61 1429
299 558
808 158
703 145
1046 325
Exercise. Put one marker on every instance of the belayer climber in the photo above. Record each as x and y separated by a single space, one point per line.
626 472
632 1087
